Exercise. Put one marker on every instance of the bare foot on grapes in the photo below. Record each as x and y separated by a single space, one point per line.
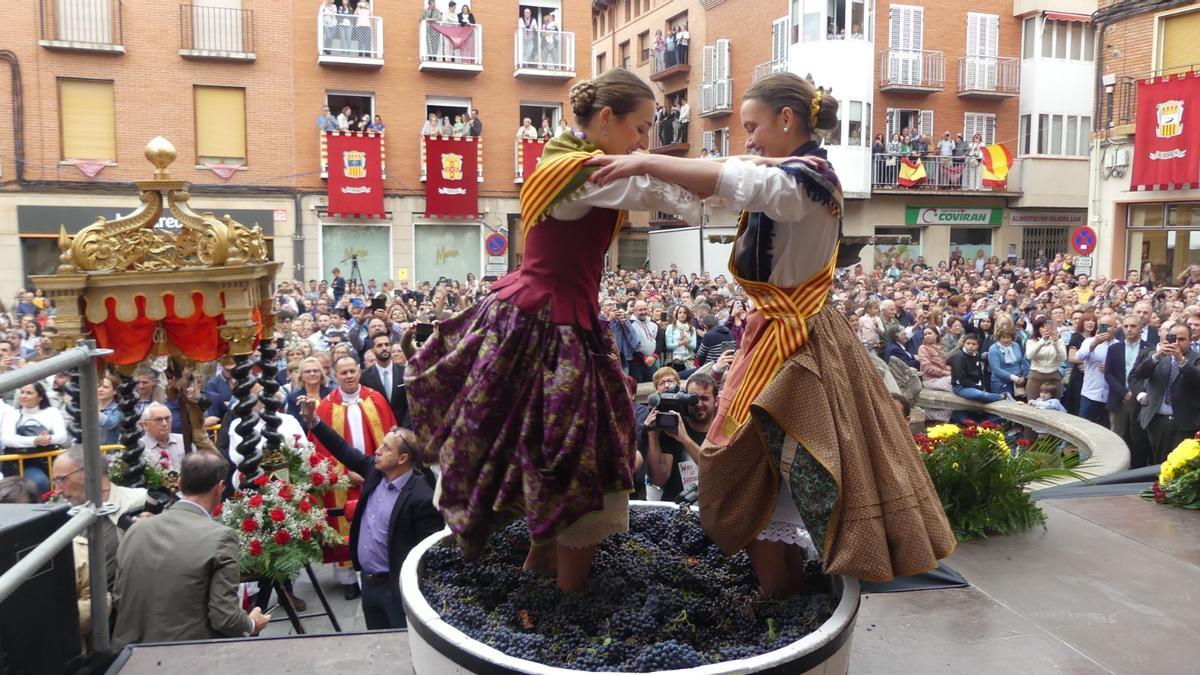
542 559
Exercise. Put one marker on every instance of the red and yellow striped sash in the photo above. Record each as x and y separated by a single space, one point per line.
551 177
785 315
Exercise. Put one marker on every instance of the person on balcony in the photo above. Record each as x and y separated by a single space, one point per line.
345 25
326 121
551 42
681 126
376 125
447 129
433 39
329 25
529 34
432 127
681 45
465 16
670 48
974 173
660 50
546 132
527 132
947 176
344 118
460 127
362 29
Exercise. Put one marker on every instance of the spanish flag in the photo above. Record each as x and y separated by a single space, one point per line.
997 160
912 171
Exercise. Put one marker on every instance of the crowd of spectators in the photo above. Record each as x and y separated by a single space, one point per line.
950 161
671 50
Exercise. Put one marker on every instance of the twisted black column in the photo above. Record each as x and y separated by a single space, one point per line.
247 426
74 412
270 396
131 433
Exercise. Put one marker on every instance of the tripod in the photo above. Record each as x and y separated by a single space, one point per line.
355 273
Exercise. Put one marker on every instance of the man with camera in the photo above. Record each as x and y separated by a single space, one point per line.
1170 401
670 436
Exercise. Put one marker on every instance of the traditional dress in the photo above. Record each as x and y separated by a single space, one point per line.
363 419
521 398
807 445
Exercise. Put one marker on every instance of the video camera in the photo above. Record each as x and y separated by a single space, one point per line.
671 401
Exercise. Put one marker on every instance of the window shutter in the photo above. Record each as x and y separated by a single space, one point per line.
721 70
991 35
220 124
969 126
706 64
989 129
725 142
779 40
917 31
927 123
708 140
1180 48
88 120
891 122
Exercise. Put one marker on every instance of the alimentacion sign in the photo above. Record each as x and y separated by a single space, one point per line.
937 215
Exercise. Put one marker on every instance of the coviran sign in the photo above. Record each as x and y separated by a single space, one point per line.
935 215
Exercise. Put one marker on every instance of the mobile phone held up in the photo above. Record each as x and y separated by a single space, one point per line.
424 330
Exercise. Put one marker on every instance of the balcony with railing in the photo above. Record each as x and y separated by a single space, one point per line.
989 76
671 64
216 33
716 98
912 71
764 69
930 174
350 40
668 138
544 54
86 25
450 47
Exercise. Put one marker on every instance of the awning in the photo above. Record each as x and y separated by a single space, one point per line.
1067 16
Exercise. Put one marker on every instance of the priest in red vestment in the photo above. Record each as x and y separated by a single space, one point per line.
362 416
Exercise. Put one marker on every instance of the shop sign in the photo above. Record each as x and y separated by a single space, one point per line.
1047 218
936 215
35 220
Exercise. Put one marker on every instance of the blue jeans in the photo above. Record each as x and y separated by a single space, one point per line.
973 394
1092 411
35 473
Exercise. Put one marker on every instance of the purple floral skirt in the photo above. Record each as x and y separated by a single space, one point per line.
525 418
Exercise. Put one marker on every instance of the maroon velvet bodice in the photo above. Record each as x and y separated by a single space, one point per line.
562 265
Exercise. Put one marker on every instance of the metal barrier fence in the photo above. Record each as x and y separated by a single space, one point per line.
457 44
350 36
82 357
544 50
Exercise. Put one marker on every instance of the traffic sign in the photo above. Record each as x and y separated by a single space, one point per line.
497 244
1083 265
1083 240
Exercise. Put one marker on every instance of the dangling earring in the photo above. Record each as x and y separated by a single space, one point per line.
785 130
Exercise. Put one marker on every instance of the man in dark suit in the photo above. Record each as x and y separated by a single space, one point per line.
1149 334
395 512
1122 405
387 377
1171 401
177 572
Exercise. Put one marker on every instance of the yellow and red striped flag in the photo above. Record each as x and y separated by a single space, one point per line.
997 160
912 171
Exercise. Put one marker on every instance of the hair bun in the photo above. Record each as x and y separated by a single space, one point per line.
582 97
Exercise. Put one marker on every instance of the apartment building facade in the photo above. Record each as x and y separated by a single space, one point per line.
1016 73
237 86
1148 56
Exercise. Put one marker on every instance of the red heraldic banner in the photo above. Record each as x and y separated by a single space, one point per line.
451 177
355 175
531 154
1167 146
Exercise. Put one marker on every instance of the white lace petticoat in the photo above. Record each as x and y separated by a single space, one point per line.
786 524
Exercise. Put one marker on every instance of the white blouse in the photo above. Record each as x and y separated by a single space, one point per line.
636 193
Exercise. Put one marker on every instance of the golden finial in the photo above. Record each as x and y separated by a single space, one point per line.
161 153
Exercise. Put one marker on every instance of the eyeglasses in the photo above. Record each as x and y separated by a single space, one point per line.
60 480
161 420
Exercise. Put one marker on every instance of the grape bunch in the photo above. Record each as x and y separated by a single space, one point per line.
659 597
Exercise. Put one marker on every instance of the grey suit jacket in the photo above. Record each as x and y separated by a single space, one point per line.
177 579
1156 377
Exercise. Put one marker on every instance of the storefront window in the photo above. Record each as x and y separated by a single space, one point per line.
905 254
344 244
970 240
449 251
1163 239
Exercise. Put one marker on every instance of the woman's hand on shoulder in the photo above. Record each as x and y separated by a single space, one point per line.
616 167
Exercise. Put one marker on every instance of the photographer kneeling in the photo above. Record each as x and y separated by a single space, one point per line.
671 434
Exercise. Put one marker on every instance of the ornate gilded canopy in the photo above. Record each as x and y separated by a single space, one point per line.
200 290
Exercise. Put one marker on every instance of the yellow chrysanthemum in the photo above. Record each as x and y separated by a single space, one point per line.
1178 460
997 437
943 431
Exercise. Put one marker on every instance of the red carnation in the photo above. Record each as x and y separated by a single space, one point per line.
286 493
278 515
1024 442
255 548
217 511
261 480
282 537
318 479
305 534
988 425
239 494
970 432
320 528
249 525
333 477
314 459
255 501
305 506
1160 495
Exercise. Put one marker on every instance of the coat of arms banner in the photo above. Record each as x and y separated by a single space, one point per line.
1166 149
355 174
451 177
